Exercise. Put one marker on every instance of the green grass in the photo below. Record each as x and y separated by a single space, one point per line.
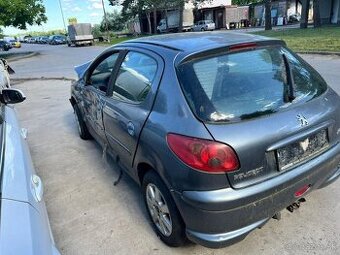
325 39
115 40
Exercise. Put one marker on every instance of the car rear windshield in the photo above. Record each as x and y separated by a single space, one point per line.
246 84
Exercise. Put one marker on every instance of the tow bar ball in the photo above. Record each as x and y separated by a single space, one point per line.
291 208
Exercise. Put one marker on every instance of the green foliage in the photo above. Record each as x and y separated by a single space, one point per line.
131 8
245 2
114 22
20 13
46 33
96 32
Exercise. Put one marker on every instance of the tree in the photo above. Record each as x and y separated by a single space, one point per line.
304 13
244 2
132 8
96 31
268 14
20 13
114 22
316 13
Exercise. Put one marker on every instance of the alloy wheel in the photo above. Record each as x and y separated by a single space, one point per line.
158 209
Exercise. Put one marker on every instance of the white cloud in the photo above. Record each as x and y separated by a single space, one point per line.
96 5
94 14
76 9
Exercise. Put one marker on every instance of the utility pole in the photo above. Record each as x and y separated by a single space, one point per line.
106 22
62 15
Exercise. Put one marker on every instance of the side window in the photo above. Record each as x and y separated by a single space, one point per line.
135 77
100 76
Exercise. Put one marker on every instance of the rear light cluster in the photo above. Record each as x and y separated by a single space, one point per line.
204 155
302 190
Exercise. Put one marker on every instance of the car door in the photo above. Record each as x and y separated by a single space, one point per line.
95 89
130 101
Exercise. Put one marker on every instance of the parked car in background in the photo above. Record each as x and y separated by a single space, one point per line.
9 44
43 39
294 18
221 130
15 43
33 39
24 227
57 39
204 25
4 46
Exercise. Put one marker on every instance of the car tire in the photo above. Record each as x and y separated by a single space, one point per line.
202 29
82 128
174 234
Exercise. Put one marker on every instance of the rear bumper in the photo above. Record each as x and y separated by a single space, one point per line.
222 217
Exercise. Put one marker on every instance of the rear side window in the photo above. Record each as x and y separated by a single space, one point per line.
135 77
246 84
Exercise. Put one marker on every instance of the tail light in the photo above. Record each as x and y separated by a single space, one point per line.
204 155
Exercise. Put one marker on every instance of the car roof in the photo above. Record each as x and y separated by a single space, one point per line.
195 42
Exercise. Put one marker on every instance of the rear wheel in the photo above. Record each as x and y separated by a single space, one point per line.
82 129
162 211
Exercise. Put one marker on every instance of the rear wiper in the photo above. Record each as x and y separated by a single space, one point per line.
288 94
256 114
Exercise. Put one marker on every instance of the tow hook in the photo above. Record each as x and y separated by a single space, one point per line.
296 205
277 216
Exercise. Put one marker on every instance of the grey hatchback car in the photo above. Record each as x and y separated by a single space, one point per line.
221 130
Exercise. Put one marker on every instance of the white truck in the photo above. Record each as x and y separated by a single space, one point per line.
80 34
173 21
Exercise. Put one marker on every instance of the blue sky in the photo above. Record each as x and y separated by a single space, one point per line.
84 10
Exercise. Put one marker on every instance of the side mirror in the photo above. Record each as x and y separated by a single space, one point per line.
11 96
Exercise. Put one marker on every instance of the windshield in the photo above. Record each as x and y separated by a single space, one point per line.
246 84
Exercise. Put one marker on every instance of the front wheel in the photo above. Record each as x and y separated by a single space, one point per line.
162 211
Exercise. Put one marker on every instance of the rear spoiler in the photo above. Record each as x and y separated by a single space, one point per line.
231 48
81 69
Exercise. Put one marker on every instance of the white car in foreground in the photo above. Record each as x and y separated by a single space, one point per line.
24 224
